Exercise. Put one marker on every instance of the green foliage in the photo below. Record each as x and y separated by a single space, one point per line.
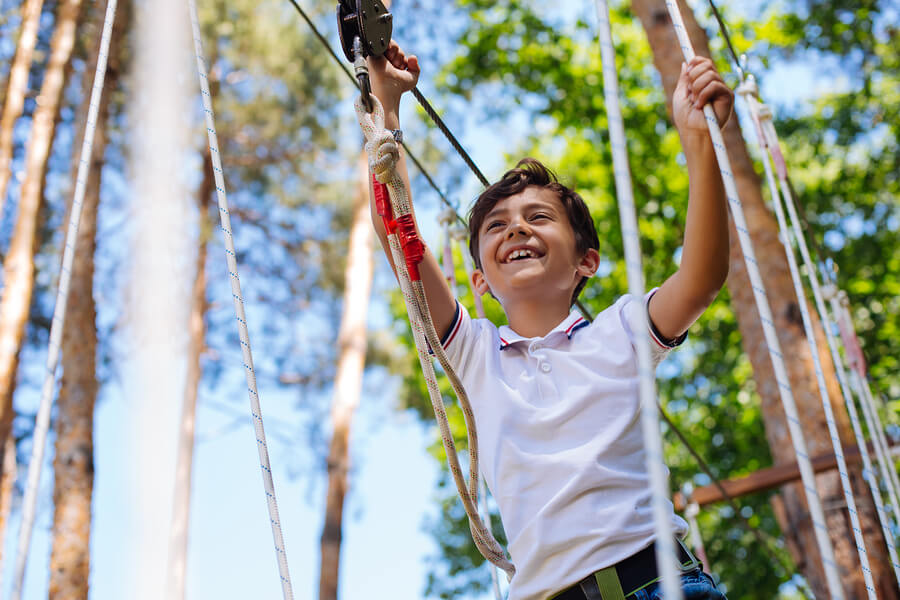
843 154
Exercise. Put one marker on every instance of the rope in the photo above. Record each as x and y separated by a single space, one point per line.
762 119
868 472
459 235
724 31
854 353
383 156
42 421
817 514
655 461
255 411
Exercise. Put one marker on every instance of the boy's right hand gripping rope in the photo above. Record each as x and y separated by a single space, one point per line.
407 251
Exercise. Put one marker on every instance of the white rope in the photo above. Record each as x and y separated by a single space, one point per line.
256 412
762 119
659 477
446 219
878 429
42 422
817 514
383 155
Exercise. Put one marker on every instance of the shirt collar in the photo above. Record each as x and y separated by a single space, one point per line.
570 325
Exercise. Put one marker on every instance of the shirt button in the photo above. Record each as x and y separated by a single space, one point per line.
545 367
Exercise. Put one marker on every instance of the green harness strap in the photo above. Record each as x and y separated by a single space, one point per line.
608 582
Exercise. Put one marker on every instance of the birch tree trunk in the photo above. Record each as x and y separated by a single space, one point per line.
178 540
794 518
15 90
73 464
348 380
19 264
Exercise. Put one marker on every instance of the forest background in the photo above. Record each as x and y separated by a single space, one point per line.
513 79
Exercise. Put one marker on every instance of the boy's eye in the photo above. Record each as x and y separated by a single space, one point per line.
537 216
494 225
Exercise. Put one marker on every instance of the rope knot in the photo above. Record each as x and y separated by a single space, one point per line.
383 155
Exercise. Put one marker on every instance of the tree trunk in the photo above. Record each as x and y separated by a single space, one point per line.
73 463
15 91
7 483
19 264
178 540
794 518
348 380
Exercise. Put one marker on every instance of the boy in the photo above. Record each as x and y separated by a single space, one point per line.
555 398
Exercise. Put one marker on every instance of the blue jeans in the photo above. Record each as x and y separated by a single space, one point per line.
696 584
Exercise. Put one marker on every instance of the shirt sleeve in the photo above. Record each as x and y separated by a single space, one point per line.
629 312
461 338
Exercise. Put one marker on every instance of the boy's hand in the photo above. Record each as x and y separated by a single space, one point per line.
393 74
700 84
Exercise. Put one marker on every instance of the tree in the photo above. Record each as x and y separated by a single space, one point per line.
73 464
19 264
16 88
348 380
178 538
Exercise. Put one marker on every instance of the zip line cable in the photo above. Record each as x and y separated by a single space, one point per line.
243 333
42 420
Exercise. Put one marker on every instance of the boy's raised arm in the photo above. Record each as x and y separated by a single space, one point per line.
704 258
391 76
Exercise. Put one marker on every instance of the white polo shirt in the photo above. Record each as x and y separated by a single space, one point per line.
560 441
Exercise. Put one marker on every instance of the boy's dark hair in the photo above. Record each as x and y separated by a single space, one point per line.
530 171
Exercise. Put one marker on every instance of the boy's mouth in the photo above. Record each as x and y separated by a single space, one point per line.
521 253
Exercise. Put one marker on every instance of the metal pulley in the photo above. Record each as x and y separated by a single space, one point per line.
365 28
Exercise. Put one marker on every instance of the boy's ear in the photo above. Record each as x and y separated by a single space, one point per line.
589 263
479 284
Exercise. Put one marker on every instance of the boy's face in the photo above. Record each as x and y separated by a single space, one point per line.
527 250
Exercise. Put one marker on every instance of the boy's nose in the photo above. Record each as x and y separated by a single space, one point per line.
517 227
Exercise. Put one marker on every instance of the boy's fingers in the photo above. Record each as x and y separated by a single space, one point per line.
702 82
412 64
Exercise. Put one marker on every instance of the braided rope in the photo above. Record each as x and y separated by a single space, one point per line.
459 234
655 461
761 117
255 411
383 155
878 428
42 421
885 462
817 514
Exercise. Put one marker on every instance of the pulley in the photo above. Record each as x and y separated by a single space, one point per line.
369 22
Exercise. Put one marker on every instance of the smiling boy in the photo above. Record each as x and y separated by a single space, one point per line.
555 398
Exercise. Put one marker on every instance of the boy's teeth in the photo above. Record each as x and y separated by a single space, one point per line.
524 253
